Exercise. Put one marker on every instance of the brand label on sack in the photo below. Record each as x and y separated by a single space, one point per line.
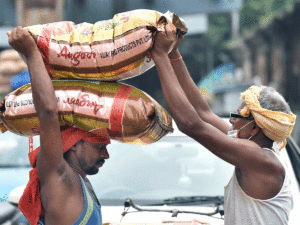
76 57
67 101
88 55
84 101
88 104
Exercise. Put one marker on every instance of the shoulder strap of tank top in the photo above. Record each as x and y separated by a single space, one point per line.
91 190
278 157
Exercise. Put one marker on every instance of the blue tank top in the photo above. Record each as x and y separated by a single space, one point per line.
91 213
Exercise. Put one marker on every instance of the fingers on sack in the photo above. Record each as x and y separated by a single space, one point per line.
26 32
19 28
12 36
159 36
19 31
14 32
169 31
180 37
154 33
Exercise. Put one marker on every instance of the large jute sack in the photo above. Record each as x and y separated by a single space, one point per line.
128 114
108 50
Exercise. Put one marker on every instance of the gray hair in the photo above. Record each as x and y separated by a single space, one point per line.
270 99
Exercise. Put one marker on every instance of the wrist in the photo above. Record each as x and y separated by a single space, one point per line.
175 60
159 55
174 54
34 52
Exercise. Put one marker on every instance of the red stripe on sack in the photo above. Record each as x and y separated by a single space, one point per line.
44 44
30 144
117 111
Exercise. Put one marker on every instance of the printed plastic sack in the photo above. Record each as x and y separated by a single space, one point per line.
130 115
108 50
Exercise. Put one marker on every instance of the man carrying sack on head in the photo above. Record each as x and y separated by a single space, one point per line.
259 191
58 191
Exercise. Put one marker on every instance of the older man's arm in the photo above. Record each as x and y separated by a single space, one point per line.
192 92
244 154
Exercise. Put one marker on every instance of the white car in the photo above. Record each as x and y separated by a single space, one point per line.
173 180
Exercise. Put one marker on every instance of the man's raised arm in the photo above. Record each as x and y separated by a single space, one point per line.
192 92
189 122
51 154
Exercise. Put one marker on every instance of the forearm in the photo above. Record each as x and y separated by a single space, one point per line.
188 85
193 94
42 88
51 154
180 108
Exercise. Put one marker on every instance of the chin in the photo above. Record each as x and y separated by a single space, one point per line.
92 171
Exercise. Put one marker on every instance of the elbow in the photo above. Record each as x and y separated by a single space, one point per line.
182 126
188 127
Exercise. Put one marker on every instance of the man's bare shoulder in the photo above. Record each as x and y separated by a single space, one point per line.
264 183
62 196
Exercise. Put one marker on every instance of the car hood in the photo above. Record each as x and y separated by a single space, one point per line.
113 214
12 178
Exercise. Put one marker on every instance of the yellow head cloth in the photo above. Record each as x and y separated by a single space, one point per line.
275 125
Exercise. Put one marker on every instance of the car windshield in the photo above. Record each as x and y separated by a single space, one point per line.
14 150
174 166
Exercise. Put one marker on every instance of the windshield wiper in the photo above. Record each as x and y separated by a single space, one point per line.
14 165
216 200
218 208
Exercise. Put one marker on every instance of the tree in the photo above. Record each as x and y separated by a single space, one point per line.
257 12
254 13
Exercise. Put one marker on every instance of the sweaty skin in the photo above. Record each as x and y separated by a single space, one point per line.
60 186
259 172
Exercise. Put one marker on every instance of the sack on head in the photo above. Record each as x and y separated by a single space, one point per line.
128 114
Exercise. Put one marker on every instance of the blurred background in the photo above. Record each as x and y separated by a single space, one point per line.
230 45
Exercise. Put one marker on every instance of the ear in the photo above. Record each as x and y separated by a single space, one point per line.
76 146
73 148
255 129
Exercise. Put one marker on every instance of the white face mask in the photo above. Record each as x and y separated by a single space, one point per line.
235 133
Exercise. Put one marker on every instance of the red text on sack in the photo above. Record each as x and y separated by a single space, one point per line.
84 102
76 56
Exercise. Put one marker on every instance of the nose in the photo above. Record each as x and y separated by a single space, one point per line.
104 153
231 120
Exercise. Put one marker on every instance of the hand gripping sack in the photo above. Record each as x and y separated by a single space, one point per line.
107 50
128 114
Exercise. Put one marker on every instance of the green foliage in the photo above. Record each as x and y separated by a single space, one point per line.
254 13
257 12
219 28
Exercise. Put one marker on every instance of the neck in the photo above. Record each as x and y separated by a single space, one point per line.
78 170
263 143
262 140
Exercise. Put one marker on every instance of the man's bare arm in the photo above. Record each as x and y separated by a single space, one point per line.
244 154
51 155
192 92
